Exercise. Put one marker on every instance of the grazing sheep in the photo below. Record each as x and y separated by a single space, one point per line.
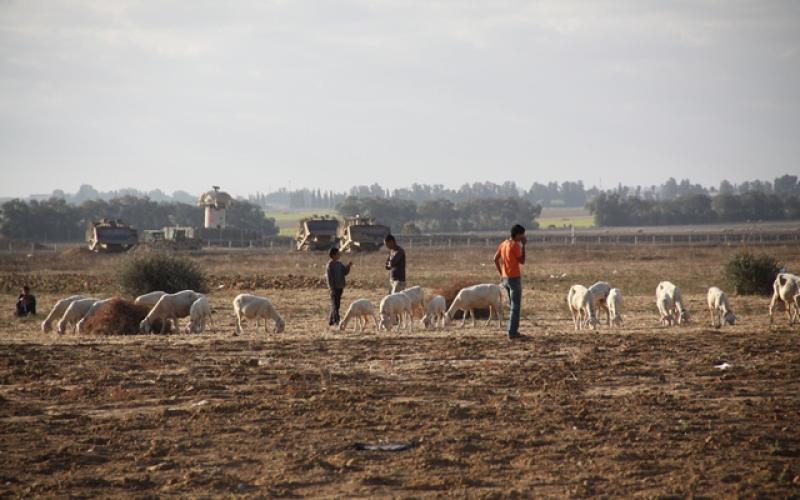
417 297
786 289
149 299
58 311
581 305
170 306
74 312
600 291
198 313
435 313
395 309
361 311
247 306
719 307
477 297
666 307
680 314
91 312
614 303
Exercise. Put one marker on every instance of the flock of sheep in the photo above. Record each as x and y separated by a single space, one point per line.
397 310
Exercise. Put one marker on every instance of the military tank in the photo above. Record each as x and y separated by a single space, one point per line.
362 234
317 233
111 235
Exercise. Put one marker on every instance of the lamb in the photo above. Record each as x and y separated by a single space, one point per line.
361 310
149 299
435 313
600 291
170 306
786 289
417 297
477 297
614 303
666 307
395 309
581 305
91 312
682 316
58 311
247 306
719 307
198 312
74 313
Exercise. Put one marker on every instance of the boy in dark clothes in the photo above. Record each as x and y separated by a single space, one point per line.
26 303
335 272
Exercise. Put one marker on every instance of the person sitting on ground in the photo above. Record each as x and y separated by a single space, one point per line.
26 303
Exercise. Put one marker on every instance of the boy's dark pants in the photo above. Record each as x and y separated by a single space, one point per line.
336 303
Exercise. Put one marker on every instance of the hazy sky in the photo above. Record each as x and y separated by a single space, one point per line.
254 95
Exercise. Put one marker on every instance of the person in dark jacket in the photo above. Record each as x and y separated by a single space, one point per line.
26 303
396 265
335 272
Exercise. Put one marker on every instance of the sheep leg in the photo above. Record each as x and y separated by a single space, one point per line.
377 324
472 313
605 308
238 328
772 306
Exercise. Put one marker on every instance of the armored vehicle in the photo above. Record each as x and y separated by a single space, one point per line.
111 235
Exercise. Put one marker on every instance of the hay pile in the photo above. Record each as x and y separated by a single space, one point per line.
449 292
119 317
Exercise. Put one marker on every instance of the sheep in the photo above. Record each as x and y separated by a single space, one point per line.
786 289
74 313
417 297
91 312
170 306
682 316
395 309
198 312
719 307
581 305
600 291
247 306
477 297
666 307
361 311
58 311
149 299
435 312
614 303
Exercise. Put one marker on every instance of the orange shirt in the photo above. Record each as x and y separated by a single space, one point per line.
510 252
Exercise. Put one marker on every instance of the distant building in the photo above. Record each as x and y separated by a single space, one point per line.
216 204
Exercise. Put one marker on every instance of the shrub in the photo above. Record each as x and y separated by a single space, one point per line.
118 317
751 274
160 271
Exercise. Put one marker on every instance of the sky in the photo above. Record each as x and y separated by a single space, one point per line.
257 95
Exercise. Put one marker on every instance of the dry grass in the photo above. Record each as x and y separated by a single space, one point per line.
119 317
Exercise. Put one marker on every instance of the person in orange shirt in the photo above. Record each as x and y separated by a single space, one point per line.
510 254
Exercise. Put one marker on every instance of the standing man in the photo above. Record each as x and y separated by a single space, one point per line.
335 272
510 254
395 264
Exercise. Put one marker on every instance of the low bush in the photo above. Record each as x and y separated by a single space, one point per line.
118 317
750 274
160 271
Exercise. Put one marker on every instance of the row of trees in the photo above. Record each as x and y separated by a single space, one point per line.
57 220
406 216
617 209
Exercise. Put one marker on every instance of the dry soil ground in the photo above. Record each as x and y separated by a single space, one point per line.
641 410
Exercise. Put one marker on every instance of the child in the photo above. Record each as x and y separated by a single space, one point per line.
335 272
26 303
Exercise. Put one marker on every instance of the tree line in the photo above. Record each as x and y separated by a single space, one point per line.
57 220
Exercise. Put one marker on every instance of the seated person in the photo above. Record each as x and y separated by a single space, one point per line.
26 303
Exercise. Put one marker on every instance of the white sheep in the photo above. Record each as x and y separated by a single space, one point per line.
666 307
361 311
246 306
435 313
719 307
76 310
395 309
600 291
680 313
483 296
58 311
581 305
171 306
614 303
786 289
149 300
91 312
198 313
417 297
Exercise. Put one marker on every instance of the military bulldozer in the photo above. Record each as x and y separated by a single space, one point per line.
111 235
317 233
362 234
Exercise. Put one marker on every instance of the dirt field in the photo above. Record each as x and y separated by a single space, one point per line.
641 410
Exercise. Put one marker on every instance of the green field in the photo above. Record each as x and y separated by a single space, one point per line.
582 221
287 220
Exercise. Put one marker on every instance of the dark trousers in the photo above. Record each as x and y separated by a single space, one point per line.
24 309
336 303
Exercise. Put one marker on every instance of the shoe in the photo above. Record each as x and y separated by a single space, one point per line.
518 336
